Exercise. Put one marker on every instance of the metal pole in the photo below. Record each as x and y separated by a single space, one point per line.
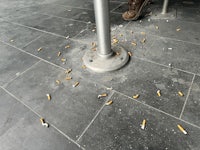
165 4
105 58
102 17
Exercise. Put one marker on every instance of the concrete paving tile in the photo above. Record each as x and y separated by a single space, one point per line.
191 112
181 55
21 129
17 35
188 14
118 127
13 63
145 78
168 29
70 109
61 26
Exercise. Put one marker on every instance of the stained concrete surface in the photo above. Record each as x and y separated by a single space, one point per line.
77 118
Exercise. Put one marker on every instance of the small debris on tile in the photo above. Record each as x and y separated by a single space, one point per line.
84 66
58 82
11 40
67 46
117 53
59 53
39 49
170 66
158 93
182 129
130 54
134 43
149 20
67 37
136 96
102 95
120 25
180 93
120 35
143 40
44 123
167 20
157 27
68 78
63 59
109 102
93 30
68 71
143 125
131 32
170 48
48 96
143 33
109 88
75 84
178 29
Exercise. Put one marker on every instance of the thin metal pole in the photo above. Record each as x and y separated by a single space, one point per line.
165 4
102 17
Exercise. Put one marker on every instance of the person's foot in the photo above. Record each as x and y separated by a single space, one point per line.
135 9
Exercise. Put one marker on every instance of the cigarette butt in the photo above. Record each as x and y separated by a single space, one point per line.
102 95
169 48
109 88
67 46
159 93
181 129
11 40
143 124
68 78
39 49
76 84
178 29
136 96
115 41
93 44
48 96
45 124
157 27
109 102
58 81
68 71
134 44
59 53
143 33
84 67
63 59
180 94
143 40
130 54
42 120
117 53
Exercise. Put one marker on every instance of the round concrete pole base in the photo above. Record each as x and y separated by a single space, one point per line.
101 64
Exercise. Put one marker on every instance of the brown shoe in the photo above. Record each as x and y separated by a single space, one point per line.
135 9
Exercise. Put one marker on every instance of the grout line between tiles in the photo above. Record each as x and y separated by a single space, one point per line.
188 94
40 116
112 92
22 73
117 7
159 110
33 40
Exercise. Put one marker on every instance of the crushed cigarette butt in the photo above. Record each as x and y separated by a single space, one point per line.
134 43
109 102
143 125
84 67
58 81
115 41
67 46
130 54
159 93
68 78
63 59
102 95
39 49
68 71
178 29
182 129
44 123
75 84
48 96
136 96
59 53
117 53
143 40
180 93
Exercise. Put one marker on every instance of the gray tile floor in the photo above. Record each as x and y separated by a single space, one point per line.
77 118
